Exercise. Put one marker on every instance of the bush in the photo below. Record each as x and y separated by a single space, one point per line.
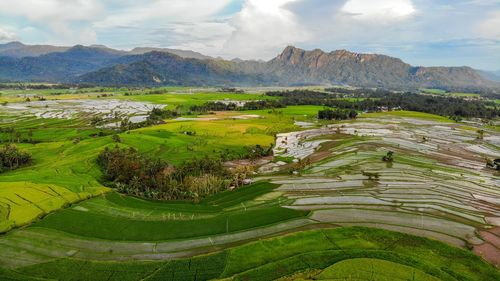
11 158
116 138
258 151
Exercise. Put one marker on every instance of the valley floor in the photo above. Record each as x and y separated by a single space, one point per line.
326 208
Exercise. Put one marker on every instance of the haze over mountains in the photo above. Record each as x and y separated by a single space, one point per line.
156 66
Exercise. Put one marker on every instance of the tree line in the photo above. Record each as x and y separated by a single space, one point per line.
11 135
155 117
337 114
377 100
231 106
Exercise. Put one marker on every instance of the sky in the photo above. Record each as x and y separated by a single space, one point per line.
420 32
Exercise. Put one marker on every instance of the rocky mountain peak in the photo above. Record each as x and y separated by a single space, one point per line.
291 55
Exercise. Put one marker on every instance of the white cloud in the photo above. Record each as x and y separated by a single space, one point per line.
378 9
169 23
63 17
6 35
490 28
162 11
81 21
262 28
207 37
60 11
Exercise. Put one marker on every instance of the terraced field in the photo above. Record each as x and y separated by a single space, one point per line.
325 208
315 255
64 150
437 186
122 225
68 109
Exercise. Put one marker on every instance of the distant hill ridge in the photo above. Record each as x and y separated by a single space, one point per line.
19 50
160 66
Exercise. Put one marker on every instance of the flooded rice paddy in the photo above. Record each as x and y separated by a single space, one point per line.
107 109
437 186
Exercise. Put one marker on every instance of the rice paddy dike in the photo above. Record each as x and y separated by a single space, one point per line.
343 214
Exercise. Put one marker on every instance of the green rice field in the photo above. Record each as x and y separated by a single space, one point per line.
323 206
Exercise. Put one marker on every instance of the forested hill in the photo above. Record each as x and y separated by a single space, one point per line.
161 68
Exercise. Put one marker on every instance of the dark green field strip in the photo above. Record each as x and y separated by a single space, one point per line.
282 256
8 275
120 200
39 245
72 269
211 205
242 194
197 268
113 228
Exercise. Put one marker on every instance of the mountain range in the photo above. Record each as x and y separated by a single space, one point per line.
491 75
160 66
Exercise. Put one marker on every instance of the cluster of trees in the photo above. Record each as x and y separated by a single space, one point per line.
368 100
136 174
249 105
35 86
337 114
491 93
376 100
258 151
231 90
11 135
360 92
155 117
304 97
159 91
249 152
263 104
12 158
493 164
446 106
214 106
389 157
80 87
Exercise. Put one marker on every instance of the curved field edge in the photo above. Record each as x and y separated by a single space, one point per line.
282 256
22 203
59 161
222 213
113 228
372 269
